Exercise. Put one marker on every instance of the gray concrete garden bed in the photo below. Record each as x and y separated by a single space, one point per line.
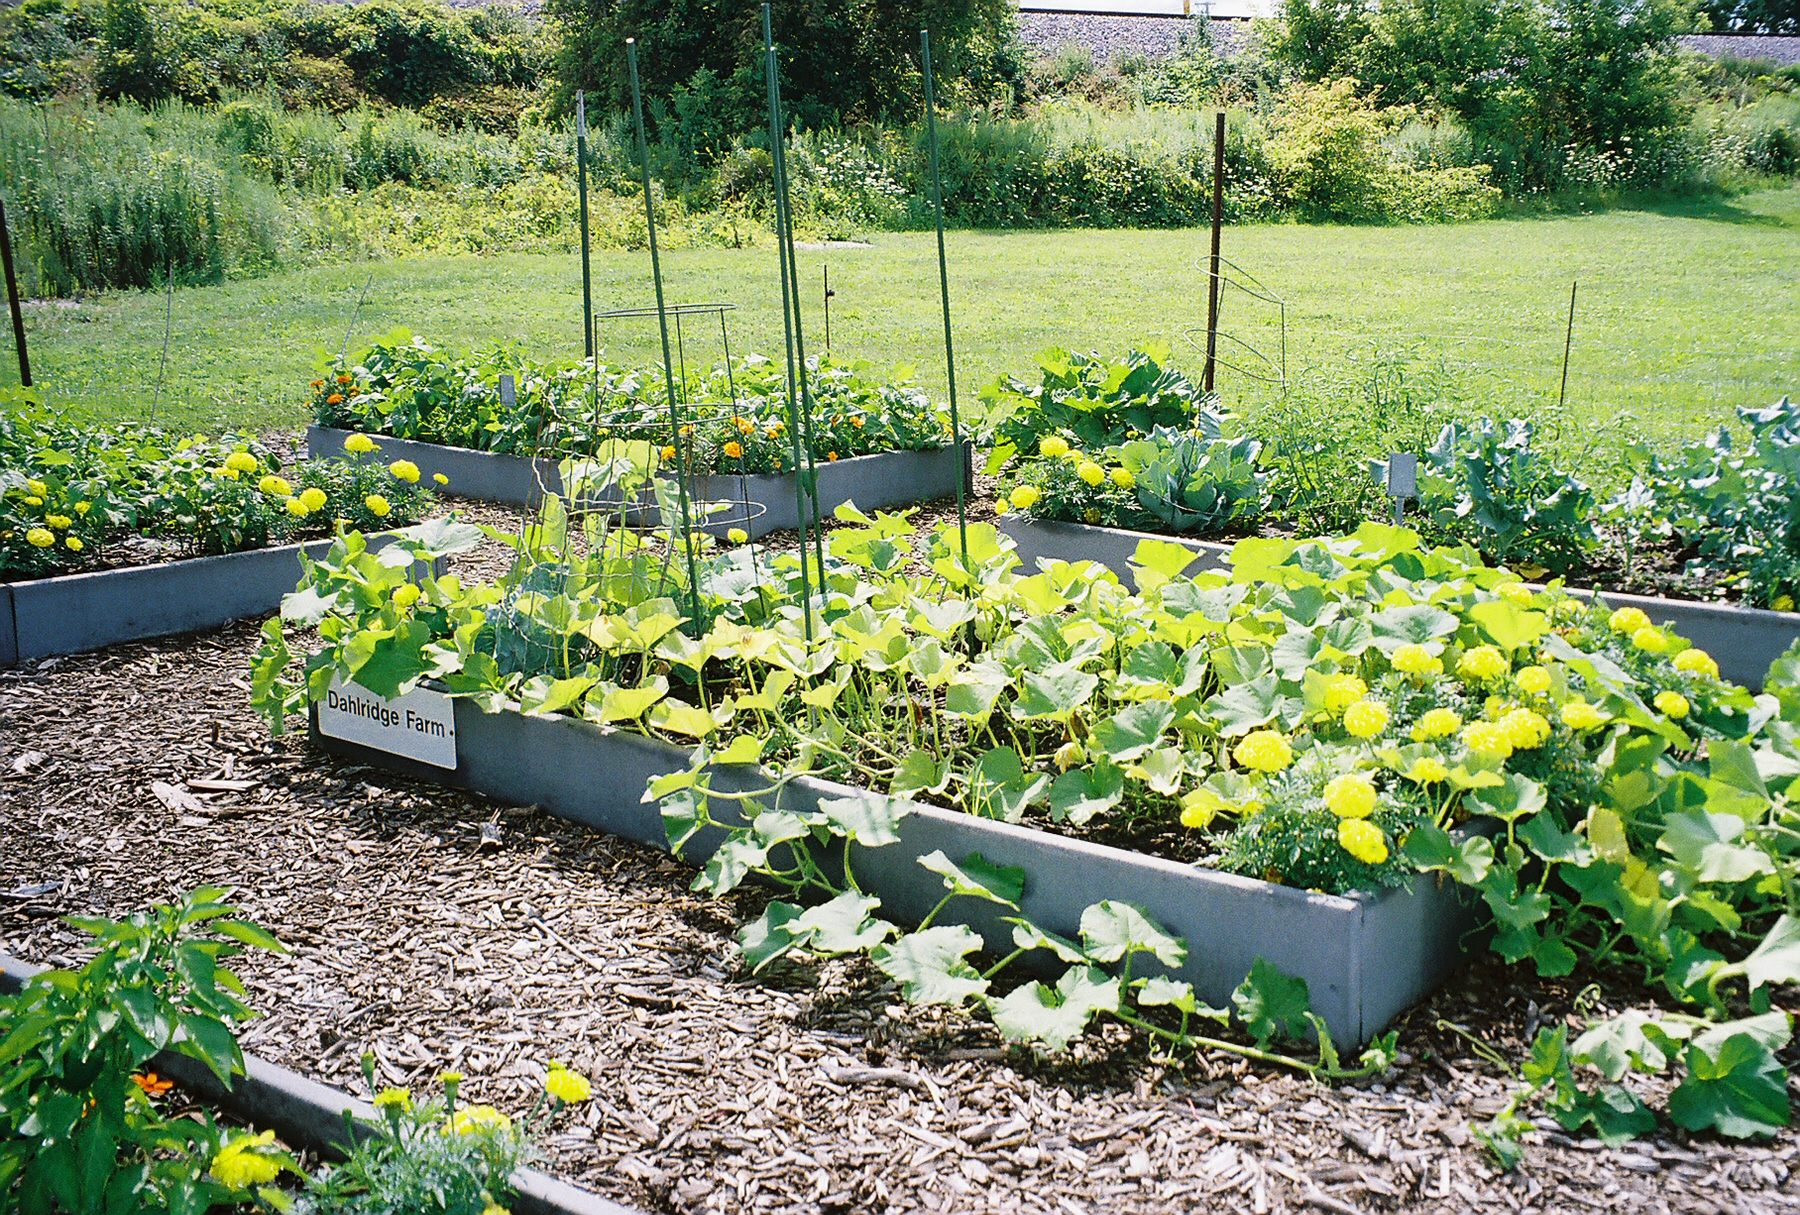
1744 641
1364 957
759 503
76 612
310 1116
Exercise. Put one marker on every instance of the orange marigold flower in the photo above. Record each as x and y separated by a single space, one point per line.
336 398
831 455
735 450
152 1084
318 384
343 379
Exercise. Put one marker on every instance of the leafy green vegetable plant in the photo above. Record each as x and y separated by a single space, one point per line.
1091 401
83 1132
1487 485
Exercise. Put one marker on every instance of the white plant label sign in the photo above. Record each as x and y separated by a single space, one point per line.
420 725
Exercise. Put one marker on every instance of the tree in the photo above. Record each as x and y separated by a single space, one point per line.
841 60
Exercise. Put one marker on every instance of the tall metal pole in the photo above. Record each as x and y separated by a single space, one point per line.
795 430
1212 280
1568 340
662 320
587 278
12 298
937 204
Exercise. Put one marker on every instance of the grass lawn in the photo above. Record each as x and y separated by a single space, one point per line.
1681 314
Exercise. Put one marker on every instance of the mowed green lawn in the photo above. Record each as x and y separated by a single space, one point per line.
1681 315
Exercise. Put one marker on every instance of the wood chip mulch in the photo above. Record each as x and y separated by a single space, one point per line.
133 773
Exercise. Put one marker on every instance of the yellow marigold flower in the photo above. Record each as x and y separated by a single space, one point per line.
1342 691
1411 659
59 522
1488 738
744 425
1351 795
774 432
1628 620
831 456
275 486
1427 771
378 505
239 1165
1533 681
494 1208
393 1098
313 498
297 507
1782 603
82 508
1514 592
359 444
566 1086
857 422
1672 704
1090 515
686 430
404 470
242 461
1121 476
1366 718
1025 497
1436 723
472 1118
1696 662
668 452
34 500
440 478
405 596
1482 662
1525 729
1650 640
1363 840
73 543
735 450
40 537
737 535
1054 446
1580 715
1090 473
1264 751
37 487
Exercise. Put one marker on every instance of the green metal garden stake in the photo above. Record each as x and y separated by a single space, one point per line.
937 204
697 625
795 430
587 277
786 243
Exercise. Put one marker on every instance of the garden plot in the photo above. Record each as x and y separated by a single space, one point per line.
810 1090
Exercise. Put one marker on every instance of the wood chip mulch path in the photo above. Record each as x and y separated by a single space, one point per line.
133 773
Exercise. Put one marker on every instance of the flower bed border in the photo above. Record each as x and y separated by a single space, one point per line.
1365 957
1744 641
73 613
879 482
310 1115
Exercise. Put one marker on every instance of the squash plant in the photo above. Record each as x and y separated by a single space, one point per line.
1328 713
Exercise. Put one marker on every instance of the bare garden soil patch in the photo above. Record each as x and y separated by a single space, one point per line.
136 771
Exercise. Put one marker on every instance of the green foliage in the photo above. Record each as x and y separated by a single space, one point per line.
1735 509
1487 485
1094 400
432 1157
736 417
67 490
83 1131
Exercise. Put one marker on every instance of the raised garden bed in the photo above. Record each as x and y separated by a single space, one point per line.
310 1116
1365 957
878 482
75 612
1743 640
